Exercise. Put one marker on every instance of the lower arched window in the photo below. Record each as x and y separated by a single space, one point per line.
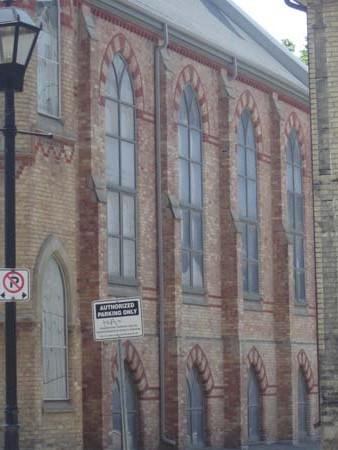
132 414
195 410
303 407
254 408
54 333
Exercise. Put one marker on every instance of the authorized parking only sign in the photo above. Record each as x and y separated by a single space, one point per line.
117 318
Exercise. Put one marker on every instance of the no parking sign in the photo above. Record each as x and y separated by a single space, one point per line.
14 285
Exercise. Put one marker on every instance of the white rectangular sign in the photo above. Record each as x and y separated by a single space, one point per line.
117 318
14 285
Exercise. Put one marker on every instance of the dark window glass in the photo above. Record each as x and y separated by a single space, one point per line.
132 414
247 202
120 173
296 213
303 407
254 408
195 410
191 189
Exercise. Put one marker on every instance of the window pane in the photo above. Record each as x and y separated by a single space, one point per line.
244 232
197 270
242 197
129 256
197 427
111 117
301 285
114 256
183 141
296 152
113 213
183 111
128 165
251 164
128 216
252 242
240 134
127 122
298 179
185 268
194 114
111 86
291 210
299 213
250 135
112 161
196 226
195 145
299 251
240 160
185 226
126 91
196 185
289 172
118 65
245 275
253 276
184 181
252 199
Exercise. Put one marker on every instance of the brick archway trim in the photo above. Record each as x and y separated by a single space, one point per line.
256 362
119 44
247 101
198 359
189 75
305 365
135 364
293 122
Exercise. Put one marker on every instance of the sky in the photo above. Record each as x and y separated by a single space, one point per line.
278 19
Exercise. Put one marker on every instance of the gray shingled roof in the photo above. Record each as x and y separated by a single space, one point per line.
223 26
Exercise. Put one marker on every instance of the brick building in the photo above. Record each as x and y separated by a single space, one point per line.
323 56
180 172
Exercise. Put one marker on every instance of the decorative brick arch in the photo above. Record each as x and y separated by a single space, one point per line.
135 364
247 101
119 44
198 359
291 123
305 366
256 362
189 75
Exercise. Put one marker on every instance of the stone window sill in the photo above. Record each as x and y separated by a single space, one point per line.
57 406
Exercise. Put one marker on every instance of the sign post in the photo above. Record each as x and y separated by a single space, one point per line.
116 319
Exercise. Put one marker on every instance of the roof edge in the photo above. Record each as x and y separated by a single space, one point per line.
155 24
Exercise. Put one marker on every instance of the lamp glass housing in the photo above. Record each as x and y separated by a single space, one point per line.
18 36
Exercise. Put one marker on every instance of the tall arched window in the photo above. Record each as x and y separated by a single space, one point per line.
254 408
247 202
132 414
195 410
303 407
54 333
120 173
191 194
48 78
296 213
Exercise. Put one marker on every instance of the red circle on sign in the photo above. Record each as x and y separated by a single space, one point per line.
13 282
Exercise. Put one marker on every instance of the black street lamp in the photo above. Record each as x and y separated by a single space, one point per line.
18 36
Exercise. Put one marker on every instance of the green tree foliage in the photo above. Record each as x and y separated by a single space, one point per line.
303 54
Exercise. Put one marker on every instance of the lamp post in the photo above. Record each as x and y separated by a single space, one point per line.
18 36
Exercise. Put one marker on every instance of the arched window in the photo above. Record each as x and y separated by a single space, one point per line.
303 407
48 57
296 213
132 410
54 333
195 410
247 202
254 408
120 173
191 194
